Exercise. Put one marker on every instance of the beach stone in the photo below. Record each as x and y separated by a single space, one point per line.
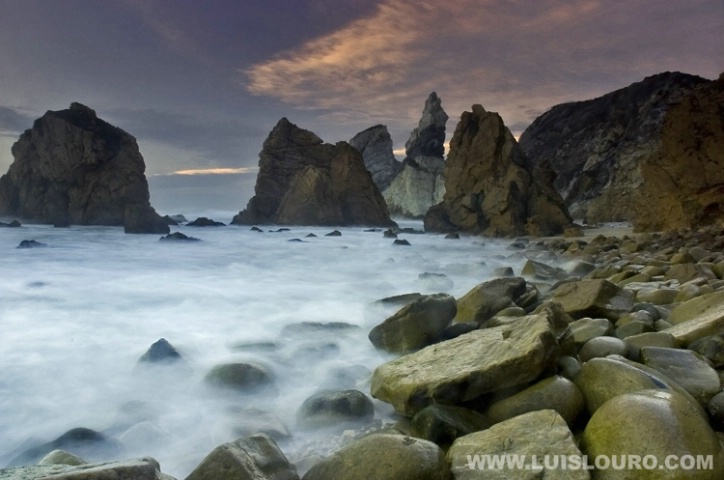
83 442
553 393
61 457
659 296
715 409
687 292
689 369
569 367
468 366
636 316
540 271
137 469
684 272
651 422
442 424
242 377
594 298
329 408
602 347
585 329
383 457
256 457
483 301
538 433
416 325
634 343
602 379
711 348
699 317
160 352
633 328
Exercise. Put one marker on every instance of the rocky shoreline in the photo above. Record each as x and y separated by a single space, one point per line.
601 346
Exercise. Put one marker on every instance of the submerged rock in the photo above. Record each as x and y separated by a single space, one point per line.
242 377
160 352
74 168
82 442
138 469
178 237
205 222
334 407
31 244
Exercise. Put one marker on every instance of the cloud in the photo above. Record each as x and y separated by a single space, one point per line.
216 171
515 57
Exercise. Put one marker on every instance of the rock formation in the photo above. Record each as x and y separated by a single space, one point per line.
420 184
375 145
74 168
303 181
490 188
596 146
683 180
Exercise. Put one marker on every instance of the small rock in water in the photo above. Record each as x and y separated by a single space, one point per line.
295 240
205 222
31 244
389 233
13 224
242 377
334 233
453 236
330 408
160 352
401 242
178 237
256 229
311 235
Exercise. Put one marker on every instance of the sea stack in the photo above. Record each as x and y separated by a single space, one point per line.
72 168
490 188
420 183
304 181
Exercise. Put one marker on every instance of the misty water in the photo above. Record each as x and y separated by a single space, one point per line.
76 315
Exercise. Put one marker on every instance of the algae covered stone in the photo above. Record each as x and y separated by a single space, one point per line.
468 366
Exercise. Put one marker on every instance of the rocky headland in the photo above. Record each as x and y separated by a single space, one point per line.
597 147
304 181
72 168
490 187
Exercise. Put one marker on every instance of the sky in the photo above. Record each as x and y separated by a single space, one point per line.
200 84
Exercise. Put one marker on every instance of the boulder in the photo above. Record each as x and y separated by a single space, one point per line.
72 167
595 298
538 434
442 424
383 457
483 301
31 244
61 457
697 318
596 147
653 423
330 408
418 324
375 145
553 393
256 457
689 369
178 237
683 178
242 377
420 183
82 442
711 348
468 366
489 187
303 181
250 420
205 222
138 469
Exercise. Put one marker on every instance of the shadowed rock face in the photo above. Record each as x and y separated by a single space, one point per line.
74 168
490 189
303 181
596 147
683 180
375 145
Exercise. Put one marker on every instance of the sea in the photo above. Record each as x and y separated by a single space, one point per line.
77 313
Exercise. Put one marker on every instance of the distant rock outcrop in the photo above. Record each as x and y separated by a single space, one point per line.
683 180
74 168
420 183
375 145
303 181
490 189
596 146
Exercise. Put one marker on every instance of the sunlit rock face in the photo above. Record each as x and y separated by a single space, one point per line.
303 181
375 145
420 184
74 168
596 147
490 188
683 180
